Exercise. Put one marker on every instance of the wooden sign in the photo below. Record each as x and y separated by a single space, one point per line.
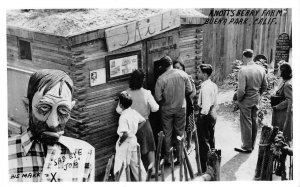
282 48
124 35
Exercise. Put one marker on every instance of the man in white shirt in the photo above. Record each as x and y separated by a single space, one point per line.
207 114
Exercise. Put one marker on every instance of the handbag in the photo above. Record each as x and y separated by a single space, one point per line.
276 99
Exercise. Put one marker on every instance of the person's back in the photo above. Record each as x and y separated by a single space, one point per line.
253 77
140 101
173 84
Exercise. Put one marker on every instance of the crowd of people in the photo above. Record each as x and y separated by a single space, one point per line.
173 98
41 152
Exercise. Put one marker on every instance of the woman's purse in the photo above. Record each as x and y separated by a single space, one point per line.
276 99
279 97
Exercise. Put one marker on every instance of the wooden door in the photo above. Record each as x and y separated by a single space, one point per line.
156 48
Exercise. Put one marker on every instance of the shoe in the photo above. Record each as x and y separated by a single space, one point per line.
242 150
176 163
167 163
153 174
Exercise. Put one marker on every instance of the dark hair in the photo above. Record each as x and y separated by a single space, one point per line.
47 78
286 71
248 53
125 100
206 68
165 62
136 80
180 63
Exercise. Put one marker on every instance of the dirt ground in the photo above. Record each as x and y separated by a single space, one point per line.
235 166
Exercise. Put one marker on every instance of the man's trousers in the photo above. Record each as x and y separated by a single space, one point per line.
206 138
248 122
172 121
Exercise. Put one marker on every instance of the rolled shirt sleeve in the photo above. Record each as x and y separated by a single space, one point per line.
152 103
123 126
188 85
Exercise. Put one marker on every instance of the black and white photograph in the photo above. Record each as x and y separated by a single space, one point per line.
157 94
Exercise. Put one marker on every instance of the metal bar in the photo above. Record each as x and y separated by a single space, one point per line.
149 172
139 162
158 153
197 153
162 168
185 170
128 178
188 163
180 140
172 164
108 168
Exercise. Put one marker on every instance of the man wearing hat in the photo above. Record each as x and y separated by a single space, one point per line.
252 83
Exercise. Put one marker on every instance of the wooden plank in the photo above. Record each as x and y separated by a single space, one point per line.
58 61
124 35
55 56
33 35
85 37
93 45
53 51
187 20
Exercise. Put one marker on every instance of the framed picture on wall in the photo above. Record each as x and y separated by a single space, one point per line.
121 65
97 77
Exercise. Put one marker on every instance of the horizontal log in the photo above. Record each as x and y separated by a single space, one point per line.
60 61
91 46
11 38
62 48
35 64
86 37
187 20
33 35
51 52
12 43
13 48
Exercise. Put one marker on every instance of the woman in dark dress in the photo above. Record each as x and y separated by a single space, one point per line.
282 116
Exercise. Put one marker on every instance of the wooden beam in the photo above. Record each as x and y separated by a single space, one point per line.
33 35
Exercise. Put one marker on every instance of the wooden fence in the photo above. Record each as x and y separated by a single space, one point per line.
224 43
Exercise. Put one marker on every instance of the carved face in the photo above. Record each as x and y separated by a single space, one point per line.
50 113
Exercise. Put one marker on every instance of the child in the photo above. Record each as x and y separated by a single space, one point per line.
126 146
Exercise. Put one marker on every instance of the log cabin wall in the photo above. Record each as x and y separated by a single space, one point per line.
190 48
94 117
47 51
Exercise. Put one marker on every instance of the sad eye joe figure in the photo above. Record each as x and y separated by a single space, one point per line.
126 147
42 153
